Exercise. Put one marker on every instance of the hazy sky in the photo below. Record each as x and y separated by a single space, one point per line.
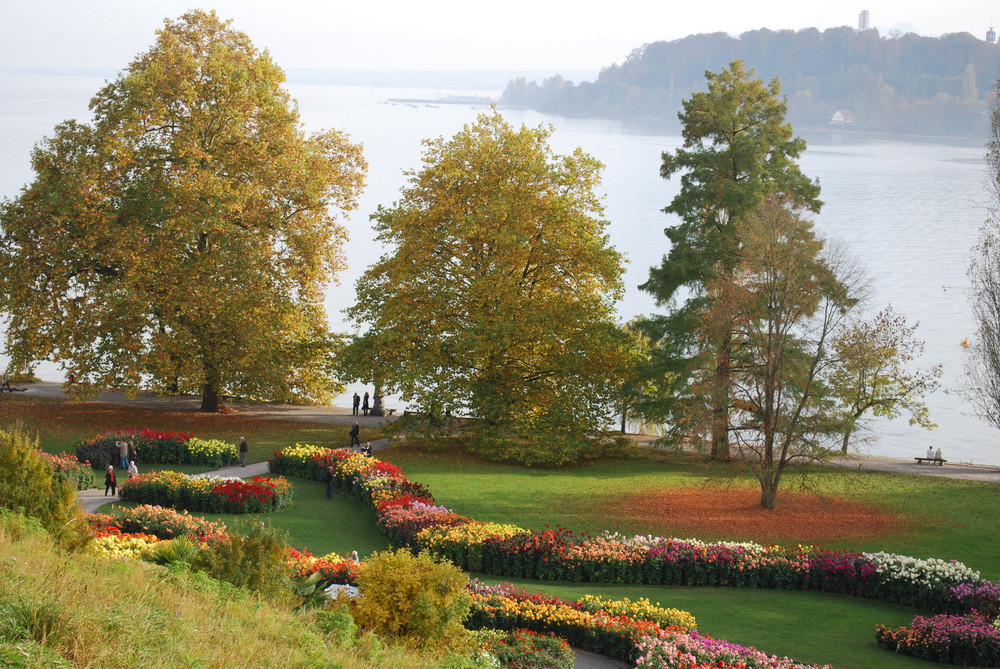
440 34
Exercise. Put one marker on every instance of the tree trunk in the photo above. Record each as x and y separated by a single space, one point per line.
377 408
209 398
768 496
720 408
210 389
847 439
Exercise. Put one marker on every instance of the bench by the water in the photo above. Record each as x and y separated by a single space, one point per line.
936 461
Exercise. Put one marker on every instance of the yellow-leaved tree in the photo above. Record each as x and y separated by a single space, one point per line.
496 300
183 238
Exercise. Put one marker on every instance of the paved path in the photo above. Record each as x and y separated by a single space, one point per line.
342 416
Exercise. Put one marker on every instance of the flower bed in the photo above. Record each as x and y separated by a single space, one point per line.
641 632
158 446
406 514
207 494
157 521
67 467
971 640
521 649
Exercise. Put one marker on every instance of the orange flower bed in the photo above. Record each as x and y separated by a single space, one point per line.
735 513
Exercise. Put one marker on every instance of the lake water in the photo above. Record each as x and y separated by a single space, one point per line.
910 211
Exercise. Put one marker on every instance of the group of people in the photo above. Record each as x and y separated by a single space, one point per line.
360 403
934 455
127 454
356 440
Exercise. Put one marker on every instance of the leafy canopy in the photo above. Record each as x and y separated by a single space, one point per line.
497 300
183 239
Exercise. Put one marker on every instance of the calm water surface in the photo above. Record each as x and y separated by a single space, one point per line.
909 211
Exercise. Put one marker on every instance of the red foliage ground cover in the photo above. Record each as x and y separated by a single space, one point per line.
735 513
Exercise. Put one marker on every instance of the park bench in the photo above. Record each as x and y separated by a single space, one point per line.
936 461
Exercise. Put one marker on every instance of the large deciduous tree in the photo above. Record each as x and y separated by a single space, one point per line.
738 151
184 237
496 301
781 306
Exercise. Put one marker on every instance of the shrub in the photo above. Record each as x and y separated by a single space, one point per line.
414 598
254 560
29 484
524 649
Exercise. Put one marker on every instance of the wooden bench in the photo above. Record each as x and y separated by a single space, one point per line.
936 461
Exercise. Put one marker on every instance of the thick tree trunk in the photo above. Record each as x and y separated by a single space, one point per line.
209 398
377 408
768 496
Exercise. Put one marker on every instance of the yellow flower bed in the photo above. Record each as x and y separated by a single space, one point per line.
130 547
642 609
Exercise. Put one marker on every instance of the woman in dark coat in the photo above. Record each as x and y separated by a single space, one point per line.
364 405
109 482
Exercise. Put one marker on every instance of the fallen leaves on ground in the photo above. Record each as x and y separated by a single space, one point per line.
735 513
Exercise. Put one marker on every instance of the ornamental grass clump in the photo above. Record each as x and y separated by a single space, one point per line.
207 494
970 640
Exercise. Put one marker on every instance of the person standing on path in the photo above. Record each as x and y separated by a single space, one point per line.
364 405
355 434
109 482
357 403
244 449
123 453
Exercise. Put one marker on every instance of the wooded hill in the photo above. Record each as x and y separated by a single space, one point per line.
903 83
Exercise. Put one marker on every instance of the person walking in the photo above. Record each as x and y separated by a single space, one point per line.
244 449
132 469
357 403
355 435
109 482
364 405
122 453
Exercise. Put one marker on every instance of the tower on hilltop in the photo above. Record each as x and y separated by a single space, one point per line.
864 20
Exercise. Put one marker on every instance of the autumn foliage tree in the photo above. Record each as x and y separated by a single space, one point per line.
874 372
496 301
782 305
182 239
